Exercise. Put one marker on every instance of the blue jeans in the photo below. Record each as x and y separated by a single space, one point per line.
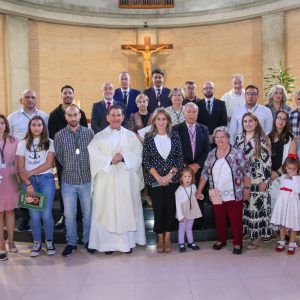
70 194
43 183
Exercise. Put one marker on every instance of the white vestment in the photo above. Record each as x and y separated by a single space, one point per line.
117 217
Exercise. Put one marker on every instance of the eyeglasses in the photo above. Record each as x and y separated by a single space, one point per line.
251 94
281 119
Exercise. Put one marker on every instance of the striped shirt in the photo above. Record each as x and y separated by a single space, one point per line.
71 151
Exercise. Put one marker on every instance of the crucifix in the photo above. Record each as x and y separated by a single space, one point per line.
146 51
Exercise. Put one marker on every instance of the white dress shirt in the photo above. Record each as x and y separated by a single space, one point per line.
232 101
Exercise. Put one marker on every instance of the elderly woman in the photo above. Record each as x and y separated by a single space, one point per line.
176 109
277 98
227 170
141 118
295 120
257 211
162 160
282 143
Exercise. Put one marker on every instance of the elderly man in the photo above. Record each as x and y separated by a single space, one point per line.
158 94
100 108
18 123
295 120
126 94
212 112
190 92
262 112
117 216
236 96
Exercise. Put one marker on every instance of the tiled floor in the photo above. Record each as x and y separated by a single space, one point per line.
143 275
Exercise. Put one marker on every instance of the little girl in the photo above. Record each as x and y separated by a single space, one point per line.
187 208
286 213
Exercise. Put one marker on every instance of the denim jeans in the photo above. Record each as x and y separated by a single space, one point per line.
70 194
43 183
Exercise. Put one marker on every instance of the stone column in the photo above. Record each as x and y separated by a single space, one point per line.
272 41
17 41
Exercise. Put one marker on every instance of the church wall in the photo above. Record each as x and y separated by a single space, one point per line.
3 78
86 57
292 43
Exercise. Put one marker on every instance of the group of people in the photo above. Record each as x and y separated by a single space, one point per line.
181 149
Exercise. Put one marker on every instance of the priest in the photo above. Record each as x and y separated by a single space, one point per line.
117 216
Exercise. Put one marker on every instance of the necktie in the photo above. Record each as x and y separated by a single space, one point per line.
108 105
192 134
209 107
125 97
158 97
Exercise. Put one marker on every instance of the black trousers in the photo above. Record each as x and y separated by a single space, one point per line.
164 206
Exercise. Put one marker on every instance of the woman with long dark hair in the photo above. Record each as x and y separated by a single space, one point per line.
8 195
35 160
257 210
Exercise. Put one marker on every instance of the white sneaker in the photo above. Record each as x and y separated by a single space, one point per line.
51 250
37 246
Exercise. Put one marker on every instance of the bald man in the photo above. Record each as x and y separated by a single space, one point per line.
100 108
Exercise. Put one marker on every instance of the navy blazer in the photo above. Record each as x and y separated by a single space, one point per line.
218 115
164 98
98 120
130 105
202 145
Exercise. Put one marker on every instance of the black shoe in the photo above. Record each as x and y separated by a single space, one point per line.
237 251
193 246
23 226
109 252
60 224
89 250
69 250
3 255
218 245
181 247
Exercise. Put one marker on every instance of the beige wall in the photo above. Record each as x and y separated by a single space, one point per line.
3 78
292 43
85 57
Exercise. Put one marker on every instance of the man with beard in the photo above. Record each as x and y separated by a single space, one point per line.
190 92
212 112
71 151
57 121
158 94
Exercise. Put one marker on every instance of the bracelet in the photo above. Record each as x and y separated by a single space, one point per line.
247 187
28 184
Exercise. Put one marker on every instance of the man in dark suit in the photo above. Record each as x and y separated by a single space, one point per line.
195 145
99 110
212 112
158 94
126 94
190 92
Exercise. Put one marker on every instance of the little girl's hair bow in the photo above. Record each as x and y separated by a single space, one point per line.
293 156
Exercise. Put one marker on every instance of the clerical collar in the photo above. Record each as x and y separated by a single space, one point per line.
115 129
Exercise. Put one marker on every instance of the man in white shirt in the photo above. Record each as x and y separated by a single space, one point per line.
235 97
18 120
262 112
18 123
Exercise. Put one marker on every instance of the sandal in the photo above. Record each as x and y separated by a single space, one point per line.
13 249
255 244
280 247
160 245
168 245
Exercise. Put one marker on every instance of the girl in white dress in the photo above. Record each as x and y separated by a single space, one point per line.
187 209
286 213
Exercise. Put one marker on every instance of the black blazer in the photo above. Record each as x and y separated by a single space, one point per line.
57 121
202 145
218 115
164 98
98 120
130 105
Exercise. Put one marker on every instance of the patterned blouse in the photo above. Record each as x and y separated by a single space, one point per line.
261 168
176 116
136 123
152 158
283 107
238 164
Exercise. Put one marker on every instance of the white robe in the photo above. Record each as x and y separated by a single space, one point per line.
117 217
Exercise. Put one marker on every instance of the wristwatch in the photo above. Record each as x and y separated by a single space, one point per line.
172 171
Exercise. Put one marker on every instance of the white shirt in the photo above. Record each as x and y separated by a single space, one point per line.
263 114
232 101
155 89
163 145
127 91
223 179
18 122
211 103
35 157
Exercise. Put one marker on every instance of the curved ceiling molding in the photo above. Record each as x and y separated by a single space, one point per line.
188 13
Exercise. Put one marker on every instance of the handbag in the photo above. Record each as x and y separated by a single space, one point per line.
214 194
